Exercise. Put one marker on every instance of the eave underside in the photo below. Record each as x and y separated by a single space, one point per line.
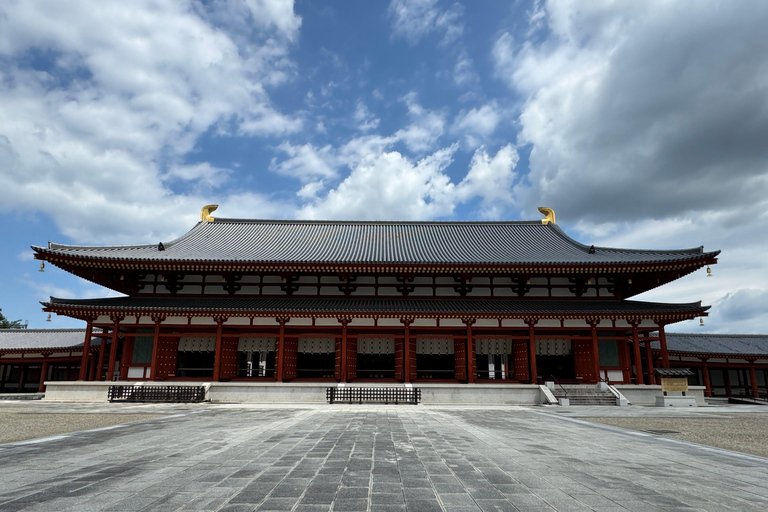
373 308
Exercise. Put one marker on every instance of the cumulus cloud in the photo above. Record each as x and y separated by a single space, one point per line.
616 103
476 126
390 185
646 124
116 96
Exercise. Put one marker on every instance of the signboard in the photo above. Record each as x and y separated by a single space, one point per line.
674 384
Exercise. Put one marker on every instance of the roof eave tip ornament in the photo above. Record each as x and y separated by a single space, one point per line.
550 213
205 213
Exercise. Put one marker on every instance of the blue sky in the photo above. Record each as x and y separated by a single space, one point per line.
642 124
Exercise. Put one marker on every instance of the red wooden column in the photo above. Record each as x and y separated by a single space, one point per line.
471 358
43 374
663 344
155 346
102 351
753 378
113 349
280 363
407 363
86 351
219 349
705 375
636 348
344 348
649 356
532 350
595 347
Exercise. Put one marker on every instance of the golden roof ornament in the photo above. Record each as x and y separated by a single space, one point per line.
205 213
550 213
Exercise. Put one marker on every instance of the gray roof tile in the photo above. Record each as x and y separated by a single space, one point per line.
751 344
41 339
352 242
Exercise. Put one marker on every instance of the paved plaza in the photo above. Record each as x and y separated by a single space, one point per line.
370 458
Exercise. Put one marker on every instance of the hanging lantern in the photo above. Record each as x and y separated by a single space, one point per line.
42 267
49 318
709 272
701 321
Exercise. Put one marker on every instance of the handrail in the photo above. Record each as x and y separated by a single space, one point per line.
558 384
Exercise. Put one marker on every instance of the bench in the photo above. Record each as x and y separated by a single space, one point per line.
373 395
156 393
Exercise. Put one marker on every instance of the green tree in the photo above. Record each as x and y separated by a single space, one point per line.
7 324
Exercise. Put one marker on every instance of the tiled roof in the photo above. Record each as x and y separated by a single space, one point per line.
339 242
744 344
342 306
41 339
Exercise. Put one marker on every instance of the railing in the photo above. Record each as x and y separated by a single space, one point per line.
369 395
557 383
156 393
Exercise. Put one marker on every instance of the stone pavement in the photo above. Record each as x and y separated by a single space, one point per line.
370 458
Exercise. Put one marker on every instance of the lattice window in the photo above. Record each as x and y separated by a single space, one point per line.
317 345
197 344
259 344
375 345
434 346
491 346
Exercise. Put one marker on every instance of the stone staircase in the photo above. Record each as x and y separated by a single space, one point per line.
584 394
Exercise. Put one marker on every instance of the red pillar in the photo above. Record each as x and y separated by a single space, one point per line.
101 358
155 343
343 351
113 349
280 363
595 351
532 352
86 352
663 344
471 359
705 376
43 374
638 360
217 354
649 356
407 351
753 380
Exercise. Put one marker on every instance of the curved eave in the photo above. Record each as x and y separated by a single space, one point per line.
654 311
185 265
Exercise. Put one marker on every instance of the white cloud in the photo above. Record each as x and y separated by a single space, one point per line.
306 162
364 118
413 20
390 186
647 124
128 85
490 179
426 126
476 125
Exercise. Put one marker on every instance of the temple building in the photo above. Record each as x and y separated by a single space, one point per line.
727 365
389 302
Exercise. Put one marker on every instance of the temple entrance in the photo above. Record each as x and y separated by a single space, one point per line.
554 359
435 359
375 358
256 357
492 358
316 358
196 356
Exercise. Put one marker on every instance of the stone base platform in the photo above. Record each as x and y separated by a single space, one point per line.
314 392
